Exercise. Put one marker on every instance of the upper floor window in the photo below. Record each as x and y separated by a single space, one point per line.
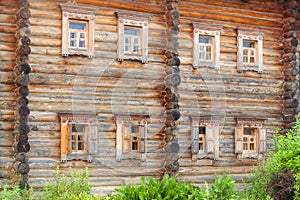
132 43
205 138
206 51
133 36
79 136
131 137
250 138
78 35
77 29
250 50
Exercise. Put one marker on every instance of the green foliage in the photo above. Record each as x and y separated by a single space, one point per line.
281 185
77 187
168 188
286 155
9 192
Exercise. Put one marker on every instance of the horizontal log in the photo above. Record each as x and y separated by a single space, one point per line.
22 68
23 50
24 13
23 110
22 157
23 80
22 101
22 128
23 3
22 91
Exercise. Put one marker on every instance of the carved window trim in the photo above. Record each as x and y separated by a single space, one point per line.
135 20
260 134
257 38
211 141
87 120
124 137
207 30
78 12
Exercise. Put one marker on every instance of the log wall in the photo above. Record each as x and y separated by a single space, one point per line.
101 85
107 87
228 93
7 103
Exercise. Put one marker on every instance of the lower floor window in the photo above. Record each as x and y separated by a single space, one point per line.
250 138
79 137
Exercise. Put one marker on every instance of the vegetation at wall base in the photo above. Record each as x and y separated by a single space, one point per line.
169 188
277 179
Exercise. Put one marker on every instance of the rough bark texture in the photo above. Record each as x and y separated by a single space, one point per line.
172 81
22 69
291 63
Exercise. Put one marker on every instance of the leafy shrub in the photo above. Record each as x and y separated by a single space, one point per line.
169 188
286 155
9 192
281 185
222 188
77 187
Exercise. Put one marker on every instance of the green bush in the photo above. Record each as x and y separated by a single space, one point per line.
168 188
77 187
285 156
9 192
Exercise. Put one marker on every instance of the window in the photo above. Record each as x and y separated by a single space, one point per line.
78 35
77 29
132 44
205 138
133 36
206 51
79 136
250 138
250 55
131 137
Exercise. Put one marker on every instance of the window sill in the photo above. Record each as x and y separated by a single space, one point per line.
68 157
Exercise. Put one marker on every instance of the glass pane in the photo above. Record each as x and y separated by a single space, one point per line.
131 31
126 48
81 43
252 60
136 49
134 129
207 40
72 43
77 128
245 146
201 56
72 35
201 146
77 25
82 35
248 131
134 145
127 40
251 146
136 41
249 44
80 146
201 130
245 139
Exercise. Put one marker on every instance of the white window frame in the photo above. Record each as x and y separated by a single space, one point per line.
257 38
71 11
260 138
124 137
207 30
211 142
91 140
134 20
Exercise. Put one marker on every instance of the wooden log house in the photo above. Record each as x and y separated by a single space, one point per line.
144 87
